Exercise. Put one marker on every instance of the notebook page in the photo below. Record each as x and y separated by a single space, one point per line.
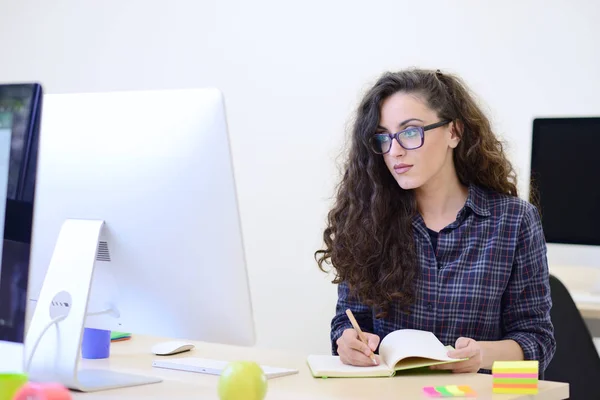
412 343
332 366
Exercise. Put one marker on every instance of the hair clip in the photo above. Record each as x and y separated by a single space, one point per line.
438 73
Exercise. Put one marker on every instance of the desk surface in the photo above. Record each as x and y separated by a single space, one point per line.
584 285
134 356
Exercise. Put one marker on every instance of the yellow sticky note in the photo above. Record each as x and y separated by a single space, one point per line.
516 365
455 390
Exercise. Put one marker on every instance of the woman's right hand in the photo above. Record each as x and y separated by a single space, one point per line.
354 352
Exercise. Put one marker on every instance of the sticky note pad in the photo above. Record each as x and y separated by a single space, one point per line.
516 377
431 392
119 336
449 391
467 390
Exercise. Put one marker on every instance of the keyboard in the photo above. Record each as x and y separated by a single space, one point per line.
213 367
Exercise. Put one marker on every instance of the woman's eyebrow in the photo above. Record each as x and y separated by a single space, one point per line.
402 123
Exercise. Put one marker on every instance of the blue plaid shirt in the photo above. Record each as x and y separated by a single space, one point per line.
488 280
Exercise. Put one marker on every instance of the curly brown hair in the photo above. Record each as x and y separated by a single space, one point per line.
369 235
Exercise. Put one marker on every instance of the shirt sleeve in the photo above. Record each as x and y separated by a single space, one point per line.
340 322
526 302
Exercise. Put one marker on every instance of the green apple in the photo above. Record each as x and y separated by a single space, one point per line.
242 380
10 383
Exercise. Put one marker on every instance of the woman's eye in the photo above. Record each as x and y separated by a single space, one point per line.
409 133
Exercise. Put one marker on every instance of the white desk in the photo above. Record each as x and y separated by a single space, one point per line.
134 356
580 282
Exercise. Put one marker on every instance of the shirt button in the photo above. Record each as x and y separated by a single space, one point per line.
429 306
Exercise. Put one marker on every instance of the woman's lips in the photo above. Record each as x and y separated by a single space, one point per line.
402 168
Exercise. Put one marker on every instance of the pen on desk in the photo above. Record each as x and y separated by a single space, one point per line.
361 335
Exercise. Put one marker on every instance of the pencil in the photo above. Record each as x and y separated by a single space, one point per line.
361 335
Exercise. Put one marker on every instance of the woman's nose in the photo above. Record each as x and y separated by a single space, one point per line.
397 150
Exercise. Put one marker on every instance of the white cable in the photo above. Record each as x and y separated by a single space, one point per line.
39 339
56 321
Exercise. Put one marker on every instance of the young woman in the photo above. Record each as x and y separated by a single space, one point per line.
428 233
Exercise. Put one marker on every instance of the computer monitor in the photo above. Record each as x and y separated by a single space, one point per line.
20 106
135 200
565 175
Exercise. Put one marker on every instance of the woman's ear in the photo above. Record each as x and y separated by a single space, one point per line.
456 131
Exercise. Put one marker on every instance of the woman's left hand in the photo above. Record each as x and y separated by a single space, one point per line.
464 348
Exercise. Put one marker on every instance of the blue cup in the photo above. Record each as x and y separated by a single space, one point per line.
95 343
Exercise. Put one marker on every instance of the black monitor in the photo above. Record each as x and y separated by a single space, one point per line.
565 172
20 111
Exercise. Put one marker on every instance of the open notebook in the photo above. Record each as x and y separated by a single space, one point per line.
400 350
213 367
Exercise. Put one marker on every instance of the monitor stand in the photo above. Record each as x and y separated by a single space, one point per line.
53 342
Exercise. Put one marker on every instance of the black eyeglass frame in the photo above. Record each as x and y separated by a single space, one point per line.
392 136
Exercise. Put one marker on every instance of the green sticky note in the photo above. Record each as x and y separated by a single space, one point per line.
119 335
443 391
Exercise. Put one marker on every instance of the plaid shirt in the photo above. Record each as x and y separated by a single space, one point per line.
488 280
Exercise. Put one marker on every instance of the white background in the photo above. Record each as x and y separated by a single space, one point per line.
291 73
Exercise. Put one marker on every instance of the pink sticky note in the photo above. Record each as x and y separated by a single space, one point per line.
431 392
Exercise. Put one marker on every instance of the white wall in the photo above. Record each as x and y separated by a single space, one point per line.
291 74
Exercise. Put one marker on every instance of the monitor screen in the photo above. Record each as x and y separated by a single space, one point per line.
20 107
565 172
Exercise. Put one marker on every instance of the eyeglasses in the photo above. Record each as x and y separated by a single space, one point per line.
410 139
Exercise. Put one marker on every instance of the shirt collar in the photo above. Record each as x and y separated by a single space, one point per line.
477 201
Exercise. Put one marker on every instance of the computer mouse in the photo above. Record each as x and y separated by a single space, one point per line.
171 347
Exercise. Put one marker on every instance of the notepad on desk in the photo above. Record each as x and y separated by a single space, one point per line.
404 349
214 367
